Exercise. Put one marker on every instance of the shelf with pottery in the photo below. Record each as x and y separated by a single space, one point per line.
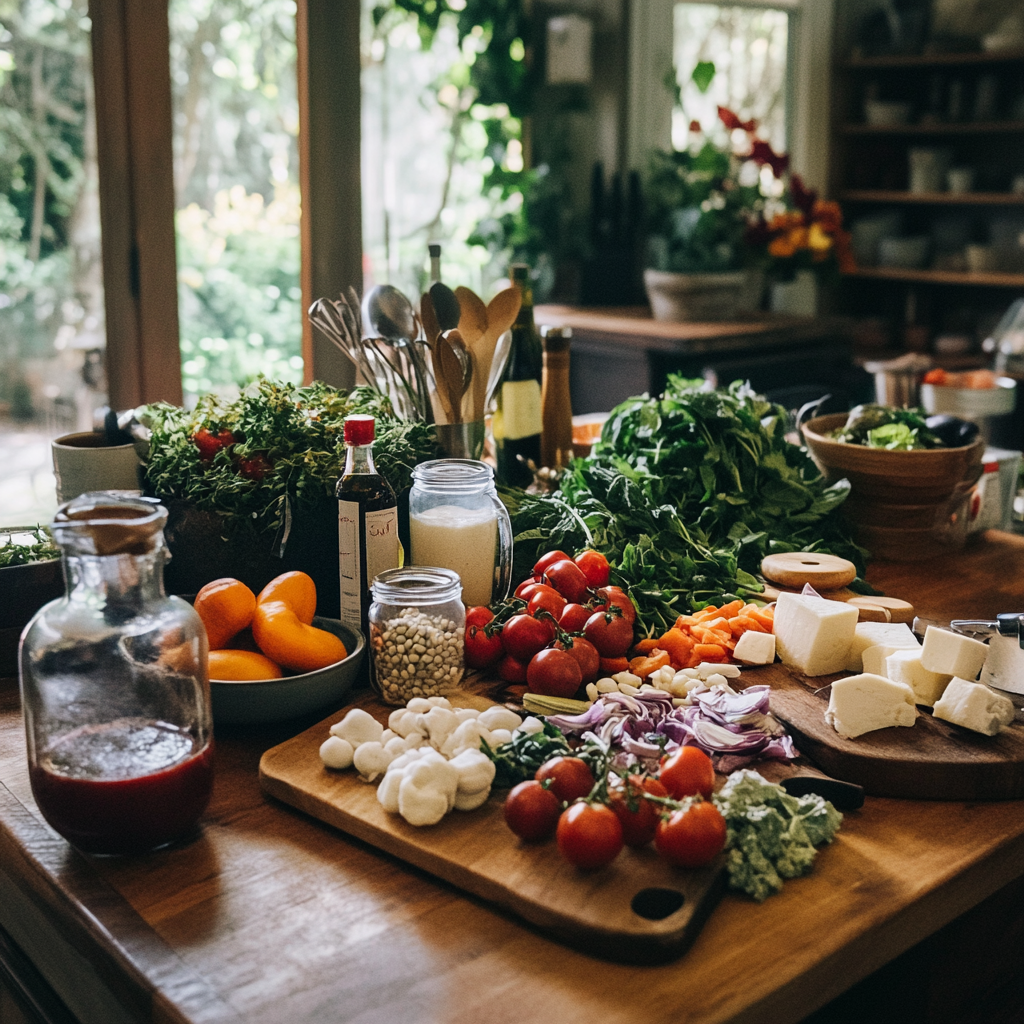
873 195
984 279
1014 127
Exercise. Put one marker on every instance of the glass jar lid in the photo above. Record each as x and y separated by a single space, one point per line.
109 523
416 585
453 476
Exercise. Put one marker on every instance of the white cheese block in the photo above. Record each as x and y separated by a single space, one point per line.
867 702
894 635
754 648
949 652
1004 666
814 635
905 667
975 706
874 657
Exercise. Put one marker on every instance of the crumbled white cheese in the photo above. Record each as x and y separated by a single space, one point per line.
975 706
894 635
905 667
755 648
867 702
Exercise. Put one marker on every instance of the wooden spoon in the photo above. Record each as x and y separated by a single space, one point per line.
431 328
502 311
473 321
451 378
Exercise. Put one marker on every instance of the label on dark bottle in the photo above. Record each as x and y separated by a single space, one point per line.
381 542
350 563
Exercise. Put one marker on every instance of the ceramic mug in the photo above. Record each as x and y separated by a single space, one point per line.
82 462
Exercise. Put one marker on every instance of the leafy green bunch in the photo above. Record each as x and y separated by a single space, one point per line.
685 494
38 546
280 443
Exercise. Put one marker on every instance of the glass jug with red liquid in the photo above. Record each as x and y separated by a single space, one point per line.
114 686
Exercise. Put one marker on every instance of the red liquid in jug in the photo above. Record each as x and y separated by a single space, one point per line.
123 787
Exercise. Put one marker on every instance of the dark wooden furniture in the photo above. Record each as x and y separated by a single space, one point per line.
270 916
619 352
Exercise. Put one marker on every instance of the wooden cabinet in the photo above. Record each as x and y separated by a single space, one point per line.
901 125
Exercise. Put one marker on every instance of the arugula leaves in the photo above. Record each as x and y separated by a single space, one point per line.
685 494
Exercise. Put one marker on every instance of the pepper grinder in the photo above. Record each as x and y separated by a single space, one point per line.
555 402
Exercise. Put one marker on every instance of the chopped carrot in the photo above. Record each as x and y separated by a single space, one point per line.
732 608
765 617
710 652
743 623
646 646
643 667
609 666
678 645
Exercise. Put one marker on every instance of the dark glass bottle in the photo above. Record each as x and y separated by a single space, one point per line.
517 417
367 522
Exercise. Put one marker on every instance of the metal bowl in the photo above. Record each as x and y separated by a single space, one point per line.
275 700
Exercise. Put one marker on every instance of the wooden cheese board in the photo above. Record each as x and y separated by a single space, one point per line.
639 909
932 760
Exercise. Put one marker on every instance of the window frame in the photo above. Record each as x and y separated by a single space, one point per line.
134 123
649 104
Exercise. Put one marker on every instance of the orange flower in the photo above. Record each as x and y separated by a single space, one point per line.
798 237
828 214
818 242
781 247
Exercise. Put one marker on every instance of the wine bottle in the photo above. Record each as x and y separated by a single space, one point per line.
517 418
434 251
555 401
367 522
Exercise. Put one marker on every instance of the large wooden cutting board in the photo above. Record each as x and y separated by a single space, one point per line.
602 912
931 760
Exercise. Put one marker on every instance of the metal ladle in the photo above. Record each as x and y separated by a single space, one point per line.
390 315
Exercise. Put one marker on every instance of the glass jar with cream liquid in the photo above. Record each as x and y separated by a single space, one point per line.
457 522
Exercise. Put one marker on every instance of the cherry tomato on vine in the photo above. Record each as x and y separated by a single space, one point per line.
512 670
209 443
570 777
255 467
586 655
611 634
608 596
574 617
549 559
589 835
532 811
553 673
594 566
639 824
568 579
692 837
547 598
524 590
482 650
523 636
687 772
479 615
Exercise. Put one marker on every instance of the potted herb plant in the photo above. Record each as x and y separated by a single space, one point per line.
701 203
30 575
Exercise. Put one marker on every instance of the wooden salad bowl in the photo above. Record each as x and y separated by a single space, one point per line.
903 506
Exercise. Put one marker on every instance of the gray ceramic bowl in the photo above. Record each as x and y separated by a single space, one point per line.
275 700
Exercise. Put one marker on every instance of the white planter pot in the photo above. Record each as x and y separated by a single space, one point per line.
683 297
798 297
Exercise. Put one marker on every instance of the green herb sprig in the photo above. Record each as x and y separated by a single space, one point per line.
40 549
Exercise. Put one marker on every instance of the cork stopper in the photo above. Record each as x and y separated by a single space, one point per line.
556 339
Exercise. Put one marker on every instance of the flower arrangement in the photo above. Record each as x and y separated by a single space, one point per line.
702 203
807 235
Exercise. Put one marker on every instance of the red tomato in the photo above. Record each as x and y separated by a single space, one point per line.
687 772
638 826
532 811
586 654
549 559
574 617
209 444
594 566
523 636
512 670
611 634
571 779
482 650
547 598
589 835
478 616
607 596
553 673
524 590
692 837
568 579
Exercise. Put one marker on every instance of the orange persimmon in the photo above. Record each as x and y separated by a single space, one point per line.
225 606
289 641
295 589
242 666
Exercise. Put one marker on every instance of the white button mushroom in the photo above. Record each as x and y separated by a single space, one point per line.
530 727
465 714
371 760
336 752
427 791
500 718
358 726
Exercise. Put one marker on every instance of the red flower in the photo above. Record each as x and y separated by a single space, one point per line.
695 126
803 198
209 444
731 121
762 153
255 467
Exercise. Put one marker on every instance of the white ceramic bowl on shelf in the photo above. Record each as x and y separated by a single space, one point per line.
971 402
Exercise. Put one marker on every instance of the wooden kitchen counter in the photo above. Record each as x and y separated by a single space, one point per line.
269 916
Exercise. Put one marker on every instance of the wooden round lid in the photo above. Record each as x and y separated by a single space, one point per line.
795 568
897 610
